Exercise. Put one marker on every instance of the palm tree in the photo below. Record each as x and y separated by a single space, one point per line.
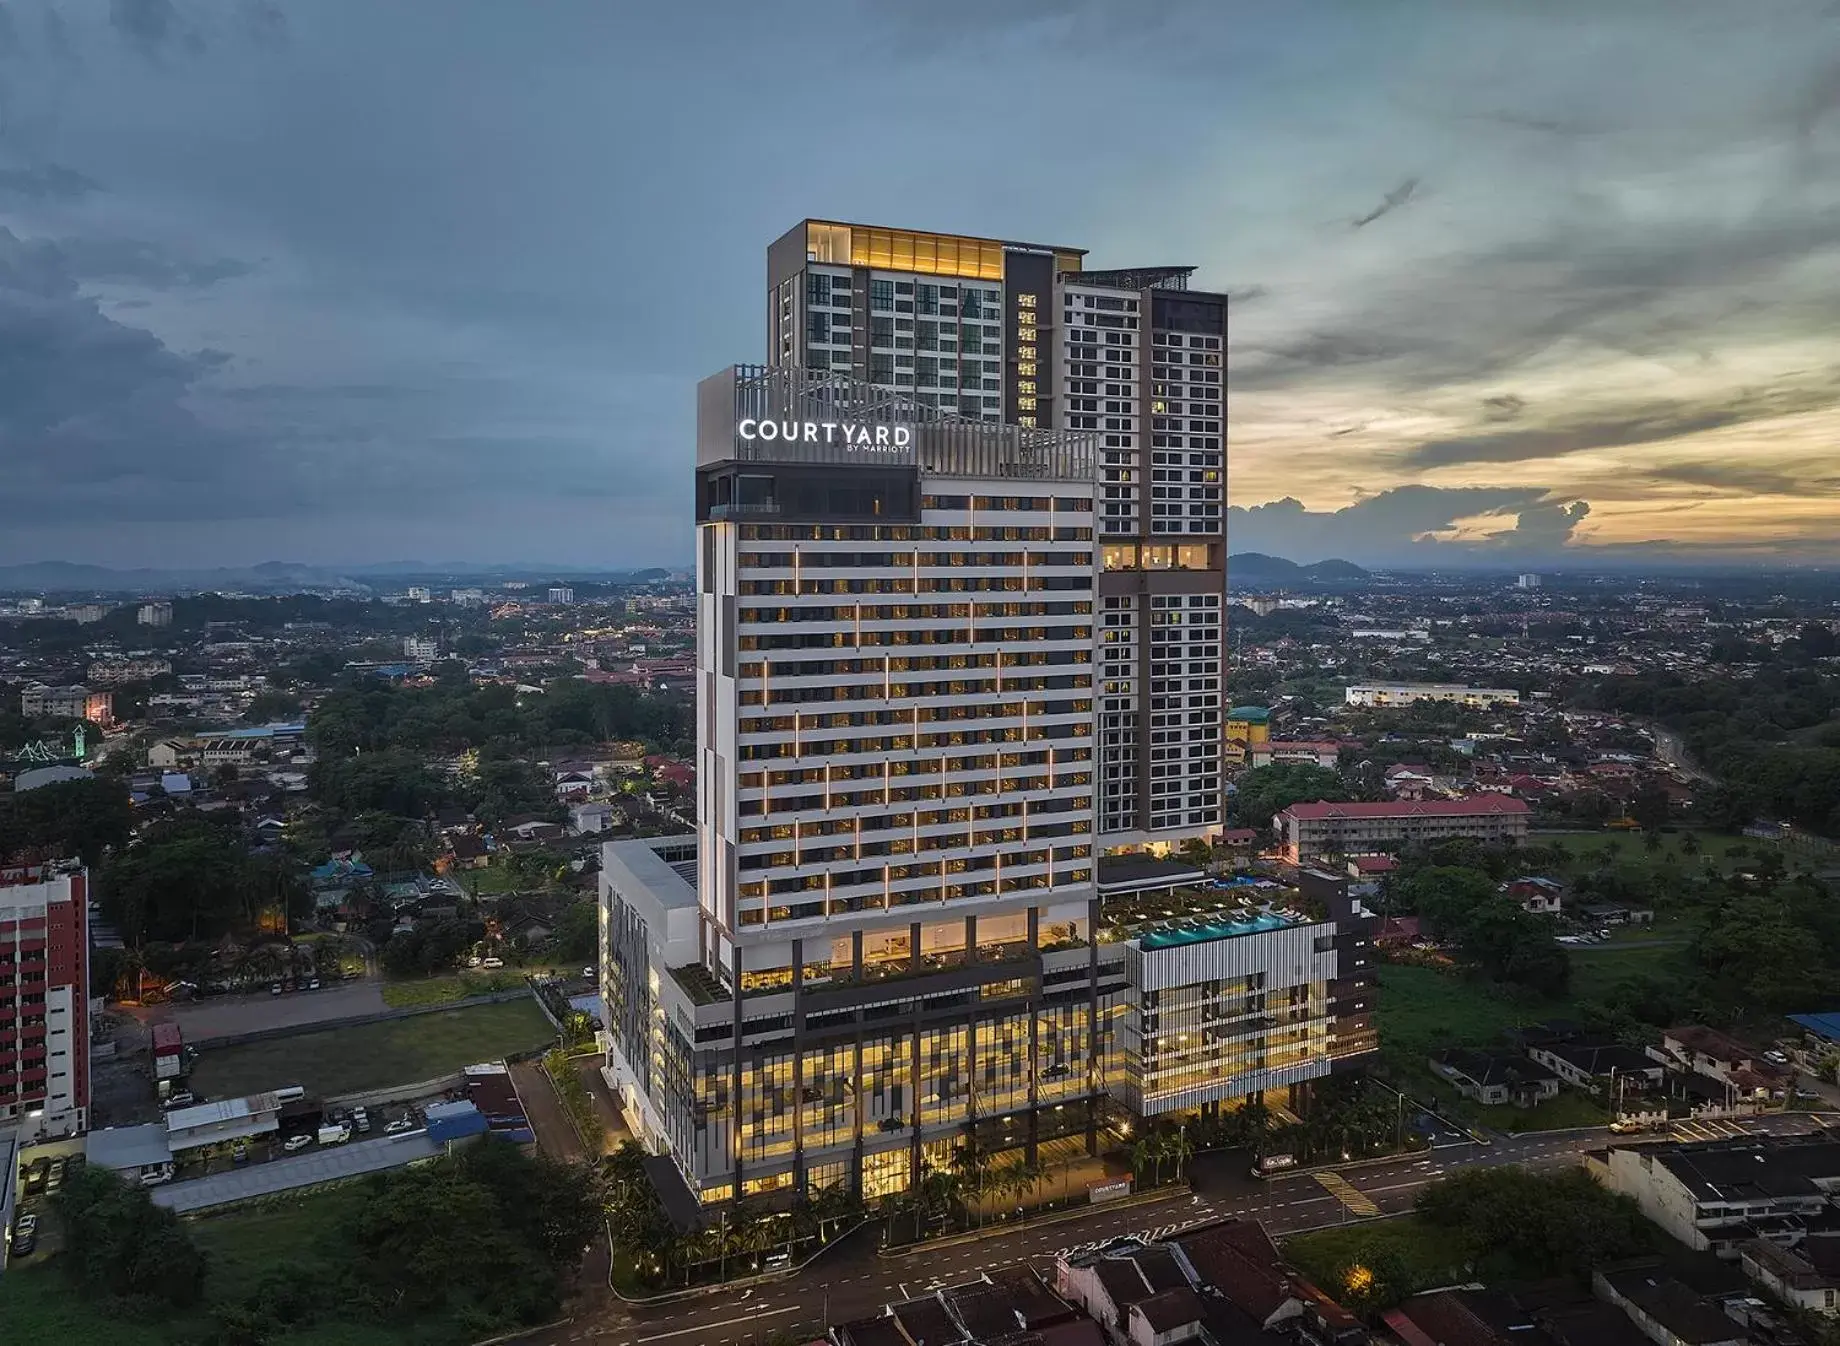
1651 842
1689 844
1180 1149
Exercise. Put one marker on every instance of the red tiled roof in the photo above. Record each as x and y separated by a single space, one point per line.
1425 808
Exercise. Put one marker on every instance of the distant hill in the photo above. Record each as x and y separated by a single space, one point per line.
277 577
1256 570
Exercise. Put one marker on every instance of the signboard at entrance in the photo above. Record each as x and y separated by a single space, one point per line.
852 435
1271 1163
1108 1191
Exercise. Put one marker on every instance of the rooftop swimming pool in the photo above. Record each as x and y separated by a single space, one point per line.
1198 934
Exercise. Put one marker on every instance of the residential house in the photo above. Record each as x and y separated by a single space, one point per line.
1666 1311
1721 1194
1537 894
1597 1066
1107 1285
1806 1276
590 818
573 784
1367 874
1408 780
1705 1051
467 850
1495 1079
169 753
1166 1318
1397 932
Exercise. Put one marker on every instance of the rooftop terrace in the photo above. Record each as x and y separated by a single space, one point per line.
1222 909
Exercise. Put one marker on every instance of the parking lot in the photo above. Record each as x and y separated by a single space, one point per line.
223 1158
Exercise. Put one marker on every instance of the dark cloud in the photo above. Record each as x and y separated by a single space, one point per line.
1392 201
264 22
1392 526
1504 407
1652 423
45 182
1246 294
152 26
127 261
1748 479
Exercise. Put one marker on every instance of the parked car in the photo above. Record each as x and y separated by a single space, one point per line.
588 972
334 1135
154 1176
182 1098
1624 1128
38 1173
361 1119
491 962
274 988
293 1143
55 1178
239 1152
313 985
25 1235
400 1125
1776 1057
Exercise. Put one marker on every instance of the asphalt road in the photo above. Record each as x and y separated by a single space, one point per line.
853 1281
555 1133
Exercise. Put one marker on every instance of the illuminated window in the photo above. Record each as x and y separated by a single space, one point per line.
1026 368
1025 403
1025 300
828 243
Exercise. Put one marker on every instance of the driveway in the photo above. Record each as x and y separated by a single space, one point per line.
555 1133
219 1016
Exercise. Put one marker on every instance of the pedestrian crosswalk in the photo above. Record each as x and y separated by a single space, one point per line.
1710 1129
1346 1193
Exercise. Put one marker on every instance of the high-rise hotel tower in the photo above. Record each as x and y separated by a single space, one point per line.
1026 334
959 600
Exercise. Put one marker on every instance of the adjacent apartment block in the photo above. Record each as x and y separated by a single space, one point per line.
1384 694
44 1001
73 703
1025 333
1312 830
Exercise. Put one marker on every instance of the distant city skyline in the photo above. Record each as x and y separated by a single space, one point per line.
343 284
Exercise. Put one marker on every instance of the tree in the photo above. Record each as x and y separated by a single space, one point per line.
1268 790
1650 807
81 818
1542 1224
120 1245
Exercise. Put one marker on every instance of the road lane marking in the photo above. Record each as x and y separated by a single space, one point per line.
726 1322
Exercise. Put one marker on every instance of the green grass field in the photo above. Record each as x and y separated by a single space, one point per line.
1420 1010
1631 855
1426 1254
1596 968
371 1056
39 1305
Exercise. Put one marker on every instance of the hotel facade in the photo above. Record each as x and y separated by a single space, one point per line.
951 651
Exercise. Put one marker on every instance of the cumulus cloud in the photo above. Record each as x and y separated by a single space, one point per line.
1397 526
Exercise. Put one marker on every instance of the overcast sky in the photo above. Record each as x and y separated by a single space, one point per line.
364 280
